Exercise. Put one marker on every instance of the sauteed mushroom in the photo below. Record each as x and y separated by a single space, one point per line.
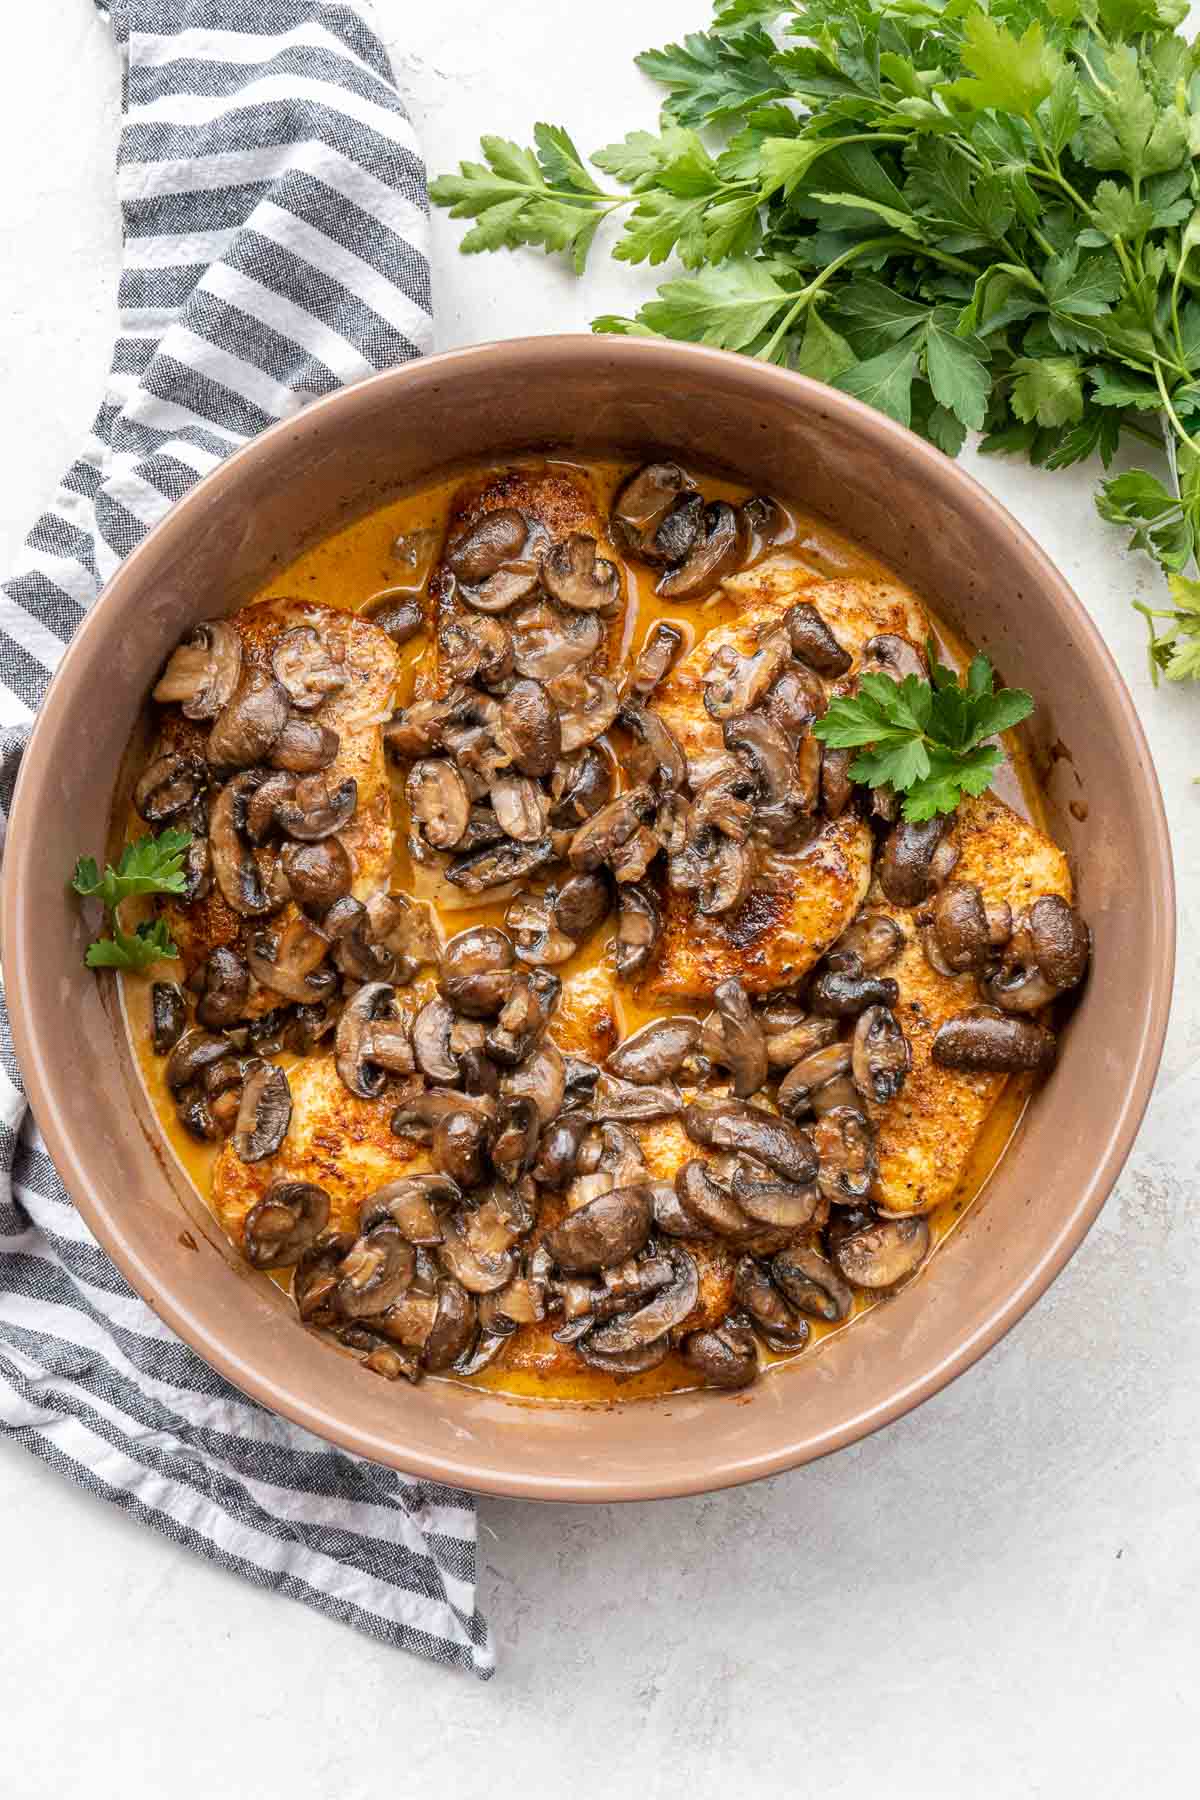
431 1041
845 1145
412 1205
401 618
355 950
588 706
792 1033
602 1232
599 837
882 1055
249 723
476 648
192 1054
531 727
305 670
168 1014
285 1223
317 874
985 1039
523 1017
896 656
773 1318
630 1100
304 747
245 885
535 935
522 808
438 801
904 866
813 642
657 1051
882 1253
485 547
639 925
965 932
787 1205
749 1130
476 972
655 658
580 785
657 758
811 1284
735 684
558 1150
170 783
547 642
1047 954
315 1280
875 938
265 1111
657 515
668 1309
515 1147
717 552
814 1071
372 1040
203 672
542 1078
724 1357
843 989
744 1047
376 1270
225 983
577 578
499 865
316 810
837 789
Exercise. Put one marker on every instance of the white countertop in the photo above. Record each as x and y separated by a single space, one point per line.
998 1596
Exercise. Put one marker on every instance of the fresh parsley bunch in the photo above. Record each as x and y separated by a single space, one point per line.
928 739
152 865
972 220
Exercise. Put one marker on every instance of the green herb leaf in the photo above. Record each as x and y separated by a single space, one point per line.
925 739
884 381
152 865
712 76
729 306
1013 75
139 949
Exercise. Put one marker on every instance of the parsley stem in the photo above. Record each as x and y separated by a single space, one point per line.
1180 429
807 294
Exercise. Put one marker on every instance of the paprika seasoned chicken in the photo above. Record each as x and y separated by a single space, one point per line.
582 1021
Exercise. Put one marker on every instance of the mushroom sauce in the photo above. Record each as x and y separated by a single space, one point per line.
553 1013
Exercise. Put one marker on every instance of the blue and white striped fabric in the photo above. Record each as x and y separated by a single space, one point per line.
275 220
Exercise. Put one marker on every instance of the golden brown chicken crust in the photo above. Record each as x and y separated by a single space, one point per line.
775 936
356 712
343 1144
926 1135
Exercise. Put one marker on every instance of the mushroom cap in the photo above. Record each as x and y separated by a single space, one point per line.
265 1111
602 1232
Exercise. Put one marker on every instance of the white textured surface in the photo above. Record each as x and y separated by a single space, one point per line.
996 1597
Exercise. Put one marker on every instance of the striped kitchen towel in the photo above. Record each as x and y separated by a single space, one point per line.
275 247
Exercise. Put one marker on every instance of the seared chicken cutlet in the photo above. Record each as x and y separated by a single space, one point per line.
927 1133
367 659
343 1144
808 896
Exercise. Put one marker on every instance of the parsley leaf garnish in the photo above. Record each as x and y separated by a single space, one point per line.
928 739
975 217
152 865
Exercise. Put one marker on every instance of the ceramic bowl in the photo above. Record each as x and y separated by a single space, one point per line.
902 500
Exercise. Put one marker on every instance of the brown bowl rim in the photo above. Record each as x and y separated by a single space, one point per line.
544 356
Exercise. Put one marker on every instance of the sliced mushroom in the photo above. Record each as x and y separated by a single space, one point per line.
460 1145
501 591
845 1144
657 1051
244 883
579 786
515 1146
891 654
305 670
546 643
735 684
657 758
883 1253
168 1015
475 648
812 1285
792 1033
192 1054
986 1041
744 1047
657 515
881 1055
773 1318
669 1215
316 1277
724 1357
786 1205
317 874
316 810
577 578
657 656
598 838
588 706
531 728
602 1232
726 875
431 1041
621 1364
813 642
904 866
454 1327
875 938
667 1310
485 547
247 726
257 816
476 971
837 789
536 938
412 1205
171 783
634 1100
719 550
581 903
482 1267
265 1111
751 1131
407 930
522 808
197 871
372 1040
203 672
639 926
438 801
285 1223
303 747
374 1273
709 1203
841 988
523 1018
419 729
542 1079
289 962
813 1072
355 950
558 1149
225 984
1047 954
399 615
500 865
